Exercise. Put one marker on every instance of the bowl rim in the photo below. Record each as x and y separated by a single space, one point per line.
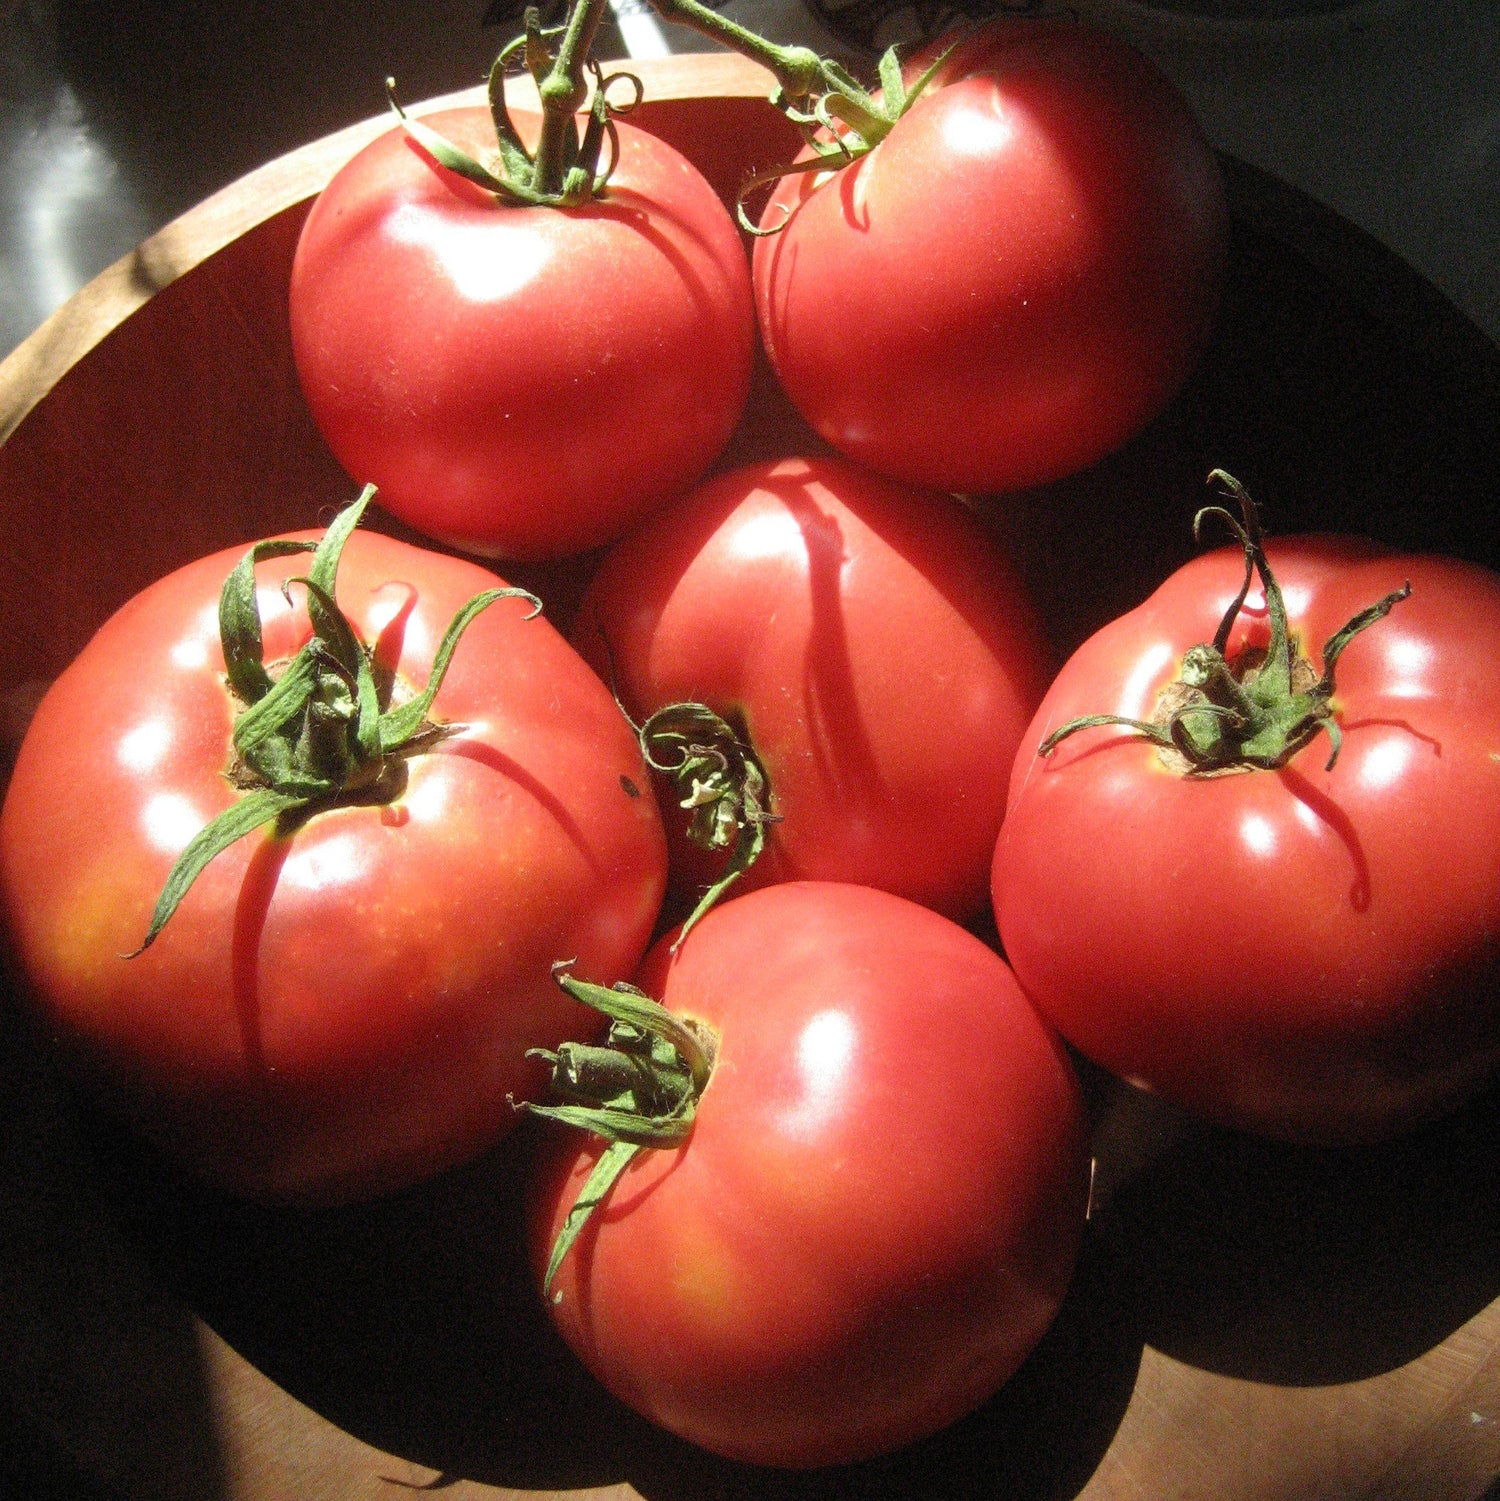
46 355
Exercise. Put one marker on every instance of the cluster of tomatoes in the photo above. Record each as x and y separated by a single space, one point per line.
314 894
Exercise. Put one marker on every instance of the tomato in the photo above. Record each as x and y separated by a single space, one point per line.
342 1006
1309 952
876 1213
870 643
518 381
1015 280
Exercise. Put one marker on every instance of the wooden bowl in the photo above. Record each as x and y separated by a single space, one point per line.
1248 1320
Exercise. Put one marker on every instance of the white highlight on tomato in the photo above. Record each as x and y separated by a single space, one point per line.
271 602
170 821
1384 763
192 651
1257 834
143 748
387 601
1309 817
1294 596
1139 690
1407 658
983 129
190 654
426 796
825 1051
773 533
466 253
335 860
417 642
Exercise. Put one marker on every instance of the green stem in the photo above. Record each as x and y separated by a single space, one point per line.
815 92
1220 716
563 92
799 70
639 1090
320 731
722 786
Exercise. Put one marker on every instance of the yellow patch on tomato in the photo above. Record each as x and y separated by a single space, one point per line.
707 1276
85 937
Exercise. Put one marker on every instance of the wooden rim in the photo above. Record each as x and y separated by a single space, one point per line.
45 356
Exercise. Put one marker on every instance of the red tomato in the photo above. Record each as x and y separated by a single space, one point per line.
877 1212
870 642
1012 283
521 382
1305 952
344 1009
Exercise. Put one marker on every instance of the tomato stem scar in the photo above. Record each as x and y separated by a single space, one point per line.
721 783
1254 714
639 1089
323 731
564 171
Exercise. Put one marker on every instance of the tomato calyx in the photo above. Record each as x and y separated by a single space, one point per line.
1257 712
638 1089
325 732
723 787
564 171
839 123
838 118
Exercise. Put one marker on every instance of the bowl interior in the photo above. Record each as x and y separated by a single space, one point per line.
1245 1314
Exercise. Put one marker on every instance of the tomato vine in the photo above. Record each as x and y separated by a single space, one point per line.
838 118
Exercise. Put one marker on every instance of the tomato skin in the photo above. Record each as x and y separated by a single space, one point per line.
343 1010
1306 953
874 645
877 1212
1012 283
521 382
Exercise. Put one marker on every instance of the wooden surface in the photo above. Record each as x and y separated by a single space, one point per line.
1249 1322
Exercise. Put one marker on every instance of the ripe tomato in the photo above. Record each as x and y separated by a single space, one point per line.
870 643
877 1211
339 1008
521 382
1307 952
1015 280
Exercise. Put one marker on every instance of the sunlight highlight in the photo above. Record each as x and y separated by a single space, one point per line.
825 1052
333 861
170 821
1384 763
1257 834
143 748
466 252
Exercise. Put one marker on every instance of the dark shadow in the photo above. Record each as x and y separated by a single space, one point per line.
1372 721
253 906
414 1324
239 86
102 1384
1341 389
855 214
1329 812
1307 1267
837 734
